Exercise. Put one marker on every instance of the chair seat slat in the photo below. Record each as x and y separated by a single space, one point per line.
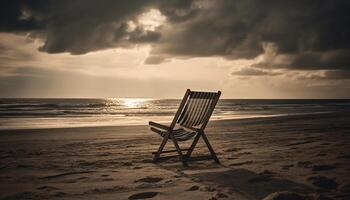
179 134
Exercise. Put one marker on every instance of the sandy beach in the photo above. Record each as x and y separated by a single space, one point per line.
90 92
307 156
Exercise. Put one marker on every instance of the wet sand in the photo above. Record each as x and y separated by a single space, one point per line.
307 156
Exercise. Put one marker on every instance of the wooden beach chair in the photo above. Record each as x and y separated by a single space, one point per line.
189 122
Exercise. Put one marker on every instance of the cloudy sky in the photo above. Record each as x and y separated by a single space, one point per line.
150 48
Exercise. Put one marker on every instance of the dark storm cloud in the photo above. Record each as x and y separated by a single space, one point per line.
82 26
323 60
328 75
178 11
77 26
309 34
17 16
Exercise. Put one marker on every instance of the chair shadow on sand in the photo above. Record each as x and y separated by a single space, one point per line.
251 184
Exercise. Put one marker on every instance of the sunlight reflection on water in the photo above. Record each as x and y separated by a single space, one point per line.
135 103
45 113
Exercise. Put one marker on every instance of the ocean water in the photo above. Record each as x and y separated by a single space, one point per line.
54 113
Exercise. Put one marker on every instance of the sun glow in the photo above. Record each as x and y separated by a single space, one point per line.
151 20
134 103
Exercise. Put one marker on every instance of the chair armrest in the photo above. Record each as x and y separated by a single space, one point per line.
161 126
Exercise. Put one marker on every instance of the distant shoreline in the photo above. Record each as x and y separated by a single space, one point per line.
213 122
66 113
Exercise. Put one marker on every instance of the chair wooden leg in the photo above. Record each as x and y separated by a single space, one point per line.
212 152
193 145
182 157
157 155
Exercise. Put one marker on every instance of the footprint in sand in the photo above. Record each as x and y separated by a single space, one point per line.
208 189
193 188
243 153
143 195
149 179
286 167
232 149
127 164
105 190
260 178
47 188
82 178
323 182
220 195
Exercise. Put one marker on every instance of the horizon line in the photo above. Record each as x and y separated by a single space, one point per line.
152 98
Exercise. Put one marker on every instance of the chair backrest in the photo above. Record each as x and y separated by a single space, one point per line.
196 108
